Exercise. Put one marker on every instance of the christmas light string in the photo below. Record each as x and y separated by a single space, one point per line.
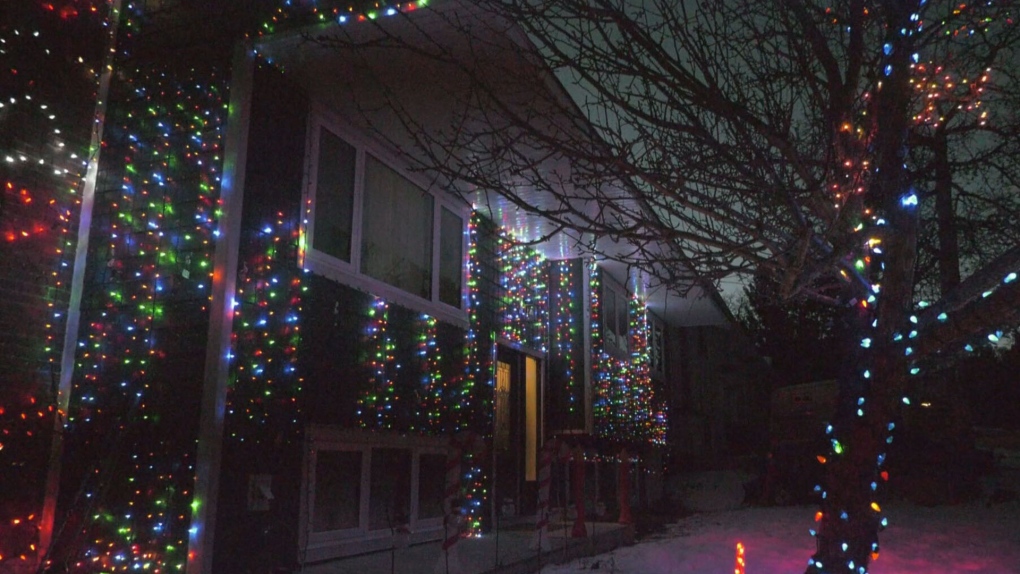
124 345
852 177
564 331
154 233
524 313
376 404
625 408
941 94
432 392
465 399
149 258
42 159
265 385
476 390
477 375
291 13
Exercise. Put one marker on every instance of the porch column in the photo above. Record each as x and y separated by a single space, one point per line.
623 488
221 314
577 480
88 199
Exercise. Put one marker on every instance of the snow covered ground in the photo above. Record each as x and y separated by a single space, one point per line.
943 540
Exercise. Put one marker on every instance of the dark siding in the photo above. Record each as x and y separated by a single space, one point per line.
264 432
133 417
564 392
38 229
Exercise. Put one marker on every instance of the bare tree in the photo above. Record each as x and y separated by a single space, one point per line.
823 144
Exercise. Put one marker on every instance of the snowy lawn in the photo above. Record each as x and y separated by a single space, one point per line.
941 540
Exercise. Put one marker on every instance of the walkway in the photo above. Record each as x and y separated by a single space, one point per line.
509 552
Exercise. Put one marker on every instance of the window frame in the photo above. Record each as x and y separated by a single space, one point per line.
328 544
654 323
611 287
349 273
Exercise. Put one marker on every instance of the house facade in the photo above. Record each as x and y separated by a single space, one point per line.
279 330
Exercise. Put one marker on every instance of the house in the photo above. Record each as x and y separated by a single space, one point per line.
46 110
282 330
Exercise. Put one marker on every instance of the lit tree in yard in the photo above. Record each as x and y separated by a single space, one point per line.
837 148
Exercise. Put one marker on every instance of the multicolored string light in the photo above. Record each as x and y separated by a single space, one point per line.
291 13
625 408
265 385
524 313
151 255
565 299
43 150
943 93
375 407
432 392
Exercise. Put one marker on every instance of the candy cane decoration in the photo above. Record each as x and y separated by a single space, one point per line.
451 492
449 559
580 530
623 488
554 449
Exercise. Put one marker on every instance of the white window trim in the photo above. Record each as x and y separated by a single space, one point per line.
349 273
324 545
654 322
620 294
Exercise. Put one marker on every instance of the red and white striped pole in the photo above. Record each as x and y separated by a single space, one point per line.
623 488
577 479
550 451
453 521
452 489
449 560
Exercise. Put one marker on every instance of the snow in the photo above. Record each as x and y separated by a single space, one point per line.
972 538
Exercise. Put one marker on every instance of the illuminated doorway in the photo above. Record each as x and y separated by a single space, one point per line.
517 433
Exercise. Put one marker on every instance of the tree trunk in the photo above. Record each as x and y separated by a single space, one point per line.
873 381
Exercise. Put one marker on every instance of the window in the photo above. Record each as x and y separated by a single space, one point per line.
389 504
374 227
451 257
334 197
359 487
431 485
396 238
337 491
656 345
615 317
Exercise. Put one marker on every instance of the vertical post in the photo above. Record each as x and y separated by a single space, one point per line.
541 540
494 510
453 520
577 480
589 393
48 515
451 492
623 488
221 314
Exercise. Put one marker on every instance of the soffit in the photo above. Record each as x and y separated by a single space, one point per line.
362 87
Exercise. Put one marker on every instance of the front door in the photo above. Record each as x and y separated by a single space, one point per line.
516 435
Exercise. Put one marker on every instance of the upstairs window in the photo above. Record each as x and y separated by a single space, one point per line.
396 236
372 226
656 345
451 257
334 197
615 318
